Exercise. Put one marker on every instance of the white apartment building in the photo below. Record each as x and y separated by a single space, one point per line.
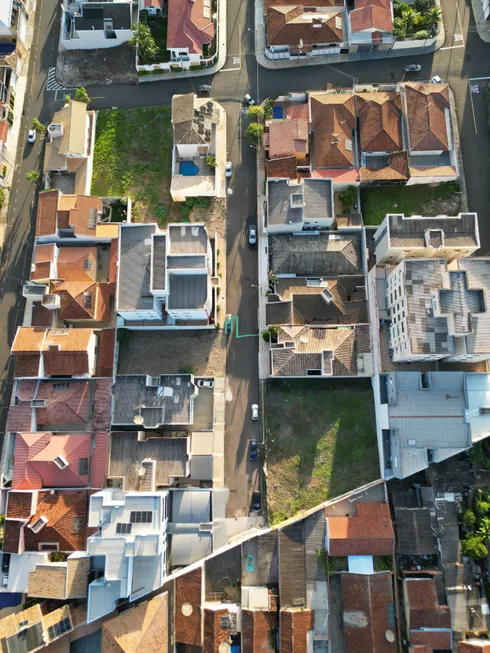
129 550
439 311
399 237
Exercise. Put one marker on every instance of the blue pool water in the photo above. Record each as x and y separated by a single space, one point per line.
277 113
188 168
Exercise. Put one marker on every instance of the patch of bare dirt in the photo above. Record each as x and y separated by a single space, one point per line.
96 67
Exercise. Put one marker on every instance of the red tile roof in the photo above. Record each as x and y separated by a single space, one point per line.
27 365
370 532
426 116
82 300
188 597
66 513
70 406
288 25
41 316
436 640
366 599
397 169
35 453
57 210
20 417
99 461
215 632
305 3
13 540
105 363
257 626
297 110
293 627
102 404
284 168
18 505
4 131
188 26
380 122
288 137
425 611
47 207
332 118
474 646
372 14
113 261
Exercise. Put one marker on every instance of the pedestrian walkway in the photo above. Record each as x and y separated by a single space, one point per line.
51 83
482 25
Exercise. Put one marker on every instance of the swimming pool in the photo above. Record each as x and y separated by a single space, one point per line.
188 168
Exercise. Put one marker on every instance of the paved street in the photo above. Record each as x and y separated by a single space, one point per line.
464 56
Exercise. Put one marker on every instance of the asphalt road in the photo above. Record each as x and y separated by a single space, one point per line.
464 56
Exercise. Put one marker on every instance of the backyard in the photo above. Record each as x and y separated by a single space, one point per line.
426 200
321 442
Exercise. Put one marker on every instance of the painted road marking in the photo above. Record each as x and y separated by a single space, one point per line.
458 38
52 84
475 88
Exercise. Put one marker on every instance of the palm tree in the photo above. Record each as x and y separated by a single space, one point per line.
484 529
412 18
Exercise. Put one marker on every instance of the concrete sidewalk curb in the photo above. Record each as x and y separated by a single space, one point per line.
222 53
482 25
459 154
412 51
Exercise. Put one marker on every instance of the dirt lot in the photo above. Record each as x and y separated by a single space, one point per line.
96 67
321 442
165 352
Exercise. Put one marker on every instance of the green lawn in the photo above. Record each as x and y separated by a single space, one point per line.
133 150
321 442
425 200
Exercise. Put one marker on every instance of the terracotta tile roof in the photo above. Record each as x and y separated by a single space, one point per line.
397 169
425 611
102 404
47 206
77 264
144 629
188 608
426 116
288 137
190 25
288 25
284 168
19 417
70 406
257 626
474 646
42 258
41 316
332 118
76 211
27 365
434 639
380 121
4 131
113 260
12 537
35 453
304 3
421 648
99 461
298 111
366 600
368 533
28 340
107 341
372 14
215 632
66 513
433 171
18 504
293 626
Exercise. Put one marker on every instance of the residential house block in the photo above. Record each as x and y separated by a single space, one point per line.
371 24
428 622
401 237
34 628
426 417
41 353
61 216
165 277
93 25
367 532
70 146
190 29
287 138
199 132
293 207
129 548
438 312
61 581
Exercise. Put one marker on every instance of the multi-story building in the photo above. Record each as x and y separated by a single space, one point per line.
129 549
92 25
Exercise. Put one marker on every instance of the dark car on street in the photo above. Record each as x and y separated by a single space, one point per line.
256 503
253 450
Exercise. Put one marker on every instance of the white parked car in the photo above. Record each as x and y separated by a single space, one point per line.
255 412
229 169
252 234
31 136
436 80
249 100
205 383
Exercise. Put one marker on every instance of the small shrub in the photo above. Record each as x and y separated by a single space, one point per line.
211 161
197 66
81 95
218 252
2 197
254 133
4 171
469 518
162 212
266 335
474 547
482 507
38 126
33 176
186 369
218 308
421 35
268 104
347 198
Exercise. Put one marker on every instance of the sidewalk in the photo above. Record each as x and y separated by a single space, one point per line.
409 49
263 276
11 148
482 25
205 71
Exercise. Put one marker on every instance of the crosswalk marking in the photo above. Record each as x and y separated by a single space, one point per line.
52 84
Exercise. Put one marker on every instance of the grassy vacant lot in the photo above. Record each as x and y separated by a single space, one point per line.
321 442
133 149
377 201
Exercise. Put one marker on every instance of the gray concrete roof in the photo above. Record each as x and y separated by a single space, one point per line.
187 239
159 264
457 231
187 291
170 402
292 203
133 291
94 13
191 506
